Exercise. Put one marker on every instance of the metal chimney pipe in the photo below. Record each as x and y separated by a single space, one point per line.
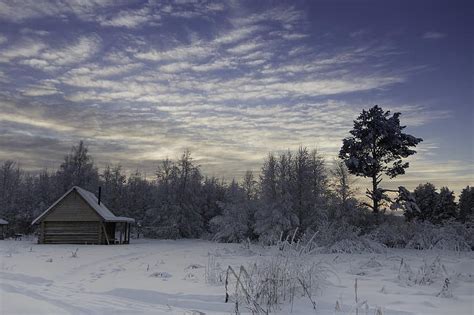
100 193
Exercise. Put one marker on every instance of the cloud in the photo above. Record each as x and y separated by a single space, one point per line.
359 33
22 49
176 67
238 34
99 71
80 50
37 63
40 91
109 13
43 123
194 51
289 35
29 31
29 116
245 48
217 64
130 18
288 17
433 35
51 58
3 77
416 115
17 11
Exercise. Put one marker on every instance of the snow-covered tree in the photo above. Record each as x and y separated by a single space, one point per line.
78 169
274 215
10 190
113 183
45 190
446 207
179 207
426 198
341 183
377 146
213 193
406 201
236 223
466 204
249 185
294 193
137 197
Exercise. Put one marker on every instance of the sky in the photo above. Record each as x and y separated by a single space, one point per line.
140 81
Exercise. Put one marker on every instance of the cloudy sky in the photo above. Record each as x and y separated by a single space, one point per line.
143 80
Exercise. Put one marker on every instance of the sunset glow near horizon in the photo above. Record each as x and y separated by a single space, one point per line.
140 81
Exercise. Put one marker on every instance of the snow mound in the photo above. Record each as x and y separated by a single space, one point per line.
162 275
358 245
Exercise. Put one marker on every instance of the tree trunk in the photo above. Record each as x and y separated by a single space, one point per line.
374 194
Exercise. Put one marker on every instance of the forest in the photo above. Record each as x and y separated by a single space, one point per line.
294 192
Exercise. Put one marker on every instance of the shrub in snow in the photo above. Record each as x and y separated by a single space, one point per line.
194 266
162 275
214 274
372 263
446 291
289 272
426 274
190 276
394 232
330 233
74 253
342 237
272 221
405 273
450 236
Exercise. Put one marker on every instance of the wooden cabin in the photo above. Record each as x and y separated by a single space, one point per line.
3 223
79 217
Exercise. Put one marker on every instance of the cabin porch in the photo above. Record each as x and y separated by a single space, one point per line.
117 233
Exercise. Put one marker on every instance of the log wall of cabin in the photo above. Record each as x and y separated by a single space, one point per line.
71 221
72 208
76 232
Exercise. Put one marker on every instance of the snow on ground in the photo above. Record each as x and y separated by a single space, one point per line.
169 277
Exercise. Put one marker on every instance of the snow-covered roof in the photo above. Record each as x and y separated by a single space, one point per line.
3 222
92 201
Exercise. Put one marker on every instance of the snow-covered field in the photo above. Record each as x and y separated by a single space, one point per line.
163 276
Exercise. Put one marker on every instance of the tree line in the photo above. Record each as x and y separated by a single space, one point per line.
293 191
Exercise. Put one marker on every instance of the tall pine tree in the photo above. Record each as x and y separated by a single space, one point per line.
377 146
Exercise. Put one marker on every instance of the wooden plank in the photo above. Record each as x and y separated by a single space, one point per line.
72 208
70 232
100 234
41 237
120 235
126 234
105 232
